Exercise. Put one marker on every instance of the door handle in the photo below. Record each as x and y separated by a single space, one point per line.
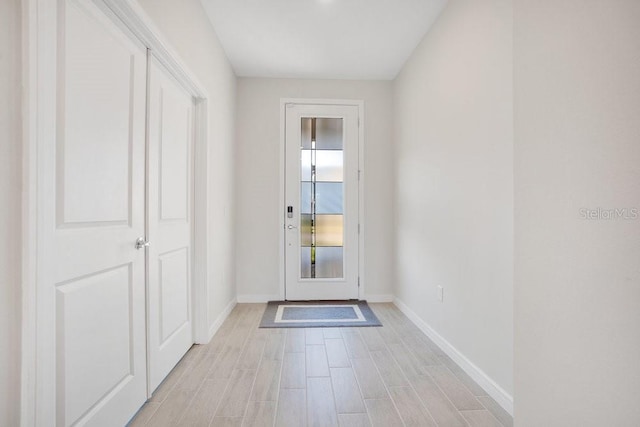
141 243
291 227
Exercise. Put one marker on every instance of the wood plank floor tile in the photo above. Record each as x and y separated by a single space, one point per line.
464 378
236 396
382 413
421 351
194 354
252 352
331 333
144 414
354 343
193 379
293 371
459 395
204 404
295 340
481 418
230 354
492 406
389 370
316 361
372 338
314 336
337 353
411 409
432 345
346 391
439 406
292 408
321 410
227 326
354 420
260 414
267 381
274 347
226 422
369 380
172 408
389 336
163 390
407 361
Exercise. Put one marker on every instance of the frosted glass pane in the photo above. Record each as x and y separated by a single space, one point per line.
305 137
328 165
305 263
329 263
328 198
305 230
329 134
329 230
305 165
305 197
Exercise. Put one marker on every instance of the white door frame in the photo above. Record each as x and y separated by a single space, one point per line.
361 175
39 70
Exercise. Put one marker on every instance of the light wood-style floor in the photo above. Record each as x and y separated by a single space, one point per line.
387 376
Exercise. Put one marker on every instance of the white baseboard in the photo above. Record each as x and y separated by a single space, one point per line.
253 298
379 298
503 398
220 319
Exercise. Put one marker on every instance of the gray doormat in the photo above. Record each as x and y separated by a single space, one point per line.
318 314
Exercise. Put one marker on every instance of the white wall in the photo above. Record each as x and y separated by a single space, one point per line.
454 186
577 292
186 27
10 202
258 173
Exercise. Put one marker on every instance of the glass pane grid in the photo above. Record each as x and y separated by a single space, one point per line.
321 198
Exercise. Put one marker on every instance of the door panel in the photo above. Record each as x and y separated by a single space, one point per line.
95 313
99 275
321 192
173 295
170 199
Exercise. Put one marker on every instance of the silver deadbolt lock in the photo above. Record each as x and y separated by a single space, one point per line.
289 211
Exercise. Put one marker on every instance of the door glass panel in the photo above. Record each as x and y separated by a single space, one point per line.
329 165
328 230
305 162
305 197
329 198
329 134
305 231
305 262
329 262
305 140
321 198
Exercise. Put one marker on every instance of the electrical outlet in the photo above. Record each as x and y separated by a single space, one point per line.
440 293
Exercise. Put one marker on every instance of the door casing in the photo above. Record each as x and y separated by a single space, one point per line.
39 39
361 173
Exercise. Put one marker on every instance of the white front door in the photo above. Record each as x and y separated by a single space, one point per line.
170 189
97 204
321 198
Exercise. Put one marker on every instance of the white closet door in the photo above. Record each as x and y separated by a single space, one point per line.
97 274
170 211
